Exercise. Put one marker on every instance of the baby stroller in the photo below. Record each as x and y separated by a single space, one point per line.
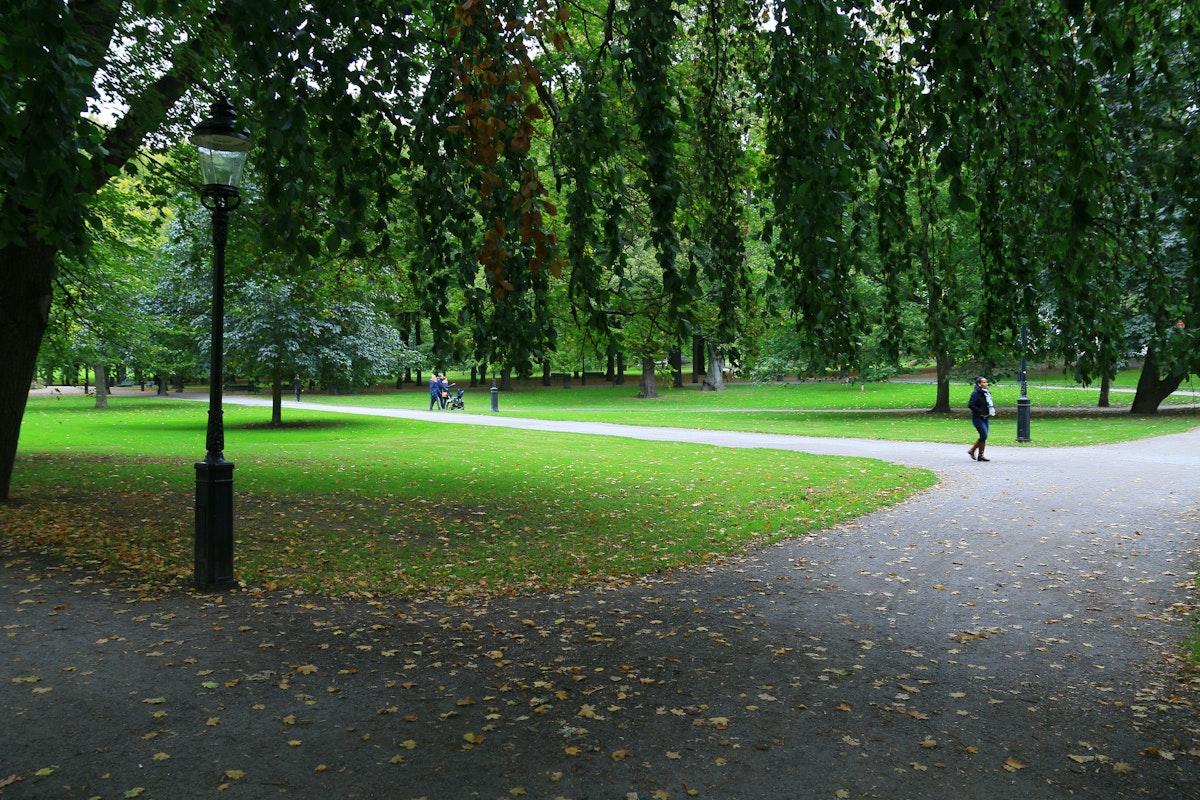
456 402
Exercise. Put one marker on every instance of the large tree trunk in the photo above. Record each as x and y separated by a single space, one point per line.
941 402
101 386
277 400
648 388
714 379
1153 389
1105 387
26 289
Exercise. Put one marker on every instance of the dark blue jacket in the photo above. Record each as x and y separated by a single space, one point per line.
978 403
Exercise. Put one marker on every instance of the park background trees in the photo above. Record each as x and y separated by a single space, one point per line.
801 186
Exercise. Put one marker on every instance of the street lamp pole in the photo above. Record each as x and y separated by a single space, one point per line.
222 147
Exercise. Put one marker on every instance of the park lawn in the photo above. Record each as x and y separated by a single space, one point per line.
350 505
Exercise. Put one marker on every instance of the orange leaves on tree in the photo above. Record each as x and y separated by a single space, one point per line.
497 86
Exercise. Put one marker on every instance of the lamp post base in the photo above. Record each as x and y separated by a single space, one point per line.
214 526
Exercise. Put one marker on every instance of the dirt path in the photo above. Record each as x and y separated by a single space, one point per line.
1004 635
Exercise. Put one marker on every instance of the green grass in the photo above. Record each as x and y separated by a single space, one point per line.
359 505
345 504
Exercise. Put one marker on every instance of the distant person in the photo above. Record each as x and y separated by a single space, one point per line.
435 391
982 410
296 388
443 390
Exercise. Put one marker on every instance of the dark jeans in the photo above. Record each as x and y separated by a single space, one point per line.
981 425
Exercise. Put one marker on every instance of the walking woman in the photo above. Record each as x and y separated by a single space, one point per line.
982 410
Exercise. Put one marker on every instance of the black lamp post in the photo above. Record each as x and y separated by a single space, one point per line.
223 147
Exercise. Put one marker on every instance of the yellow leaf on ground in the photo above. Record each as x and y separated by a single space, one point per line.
234 774
621 755
1012 765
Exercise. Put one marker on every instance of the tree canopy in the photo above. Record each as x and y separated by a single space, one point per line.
481 154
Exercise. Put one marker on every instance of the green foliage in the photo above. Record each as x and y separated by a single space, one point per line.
651 26
821 99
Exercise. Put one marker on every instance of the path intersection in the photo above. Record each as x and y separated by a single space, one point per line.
1009 633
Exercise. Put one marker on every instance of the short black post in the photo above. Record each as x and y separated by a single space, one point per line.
495 396
1023 404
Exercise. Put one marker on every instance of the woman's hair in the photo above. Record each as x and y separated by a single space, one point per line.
978 378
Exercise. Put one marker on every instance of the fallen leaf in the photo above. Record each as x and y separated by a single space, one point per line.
234 774
621 755
1012 765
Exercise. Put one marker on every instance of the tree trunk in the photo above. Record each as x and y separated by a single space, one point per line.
941 402
648 388
101 386
676 358
277 400
620 369
697 357
545 373
26 289
714 379
1105 386
1152 389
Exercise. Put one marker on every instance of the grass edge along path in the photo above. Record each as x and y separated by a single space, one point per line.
365 506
